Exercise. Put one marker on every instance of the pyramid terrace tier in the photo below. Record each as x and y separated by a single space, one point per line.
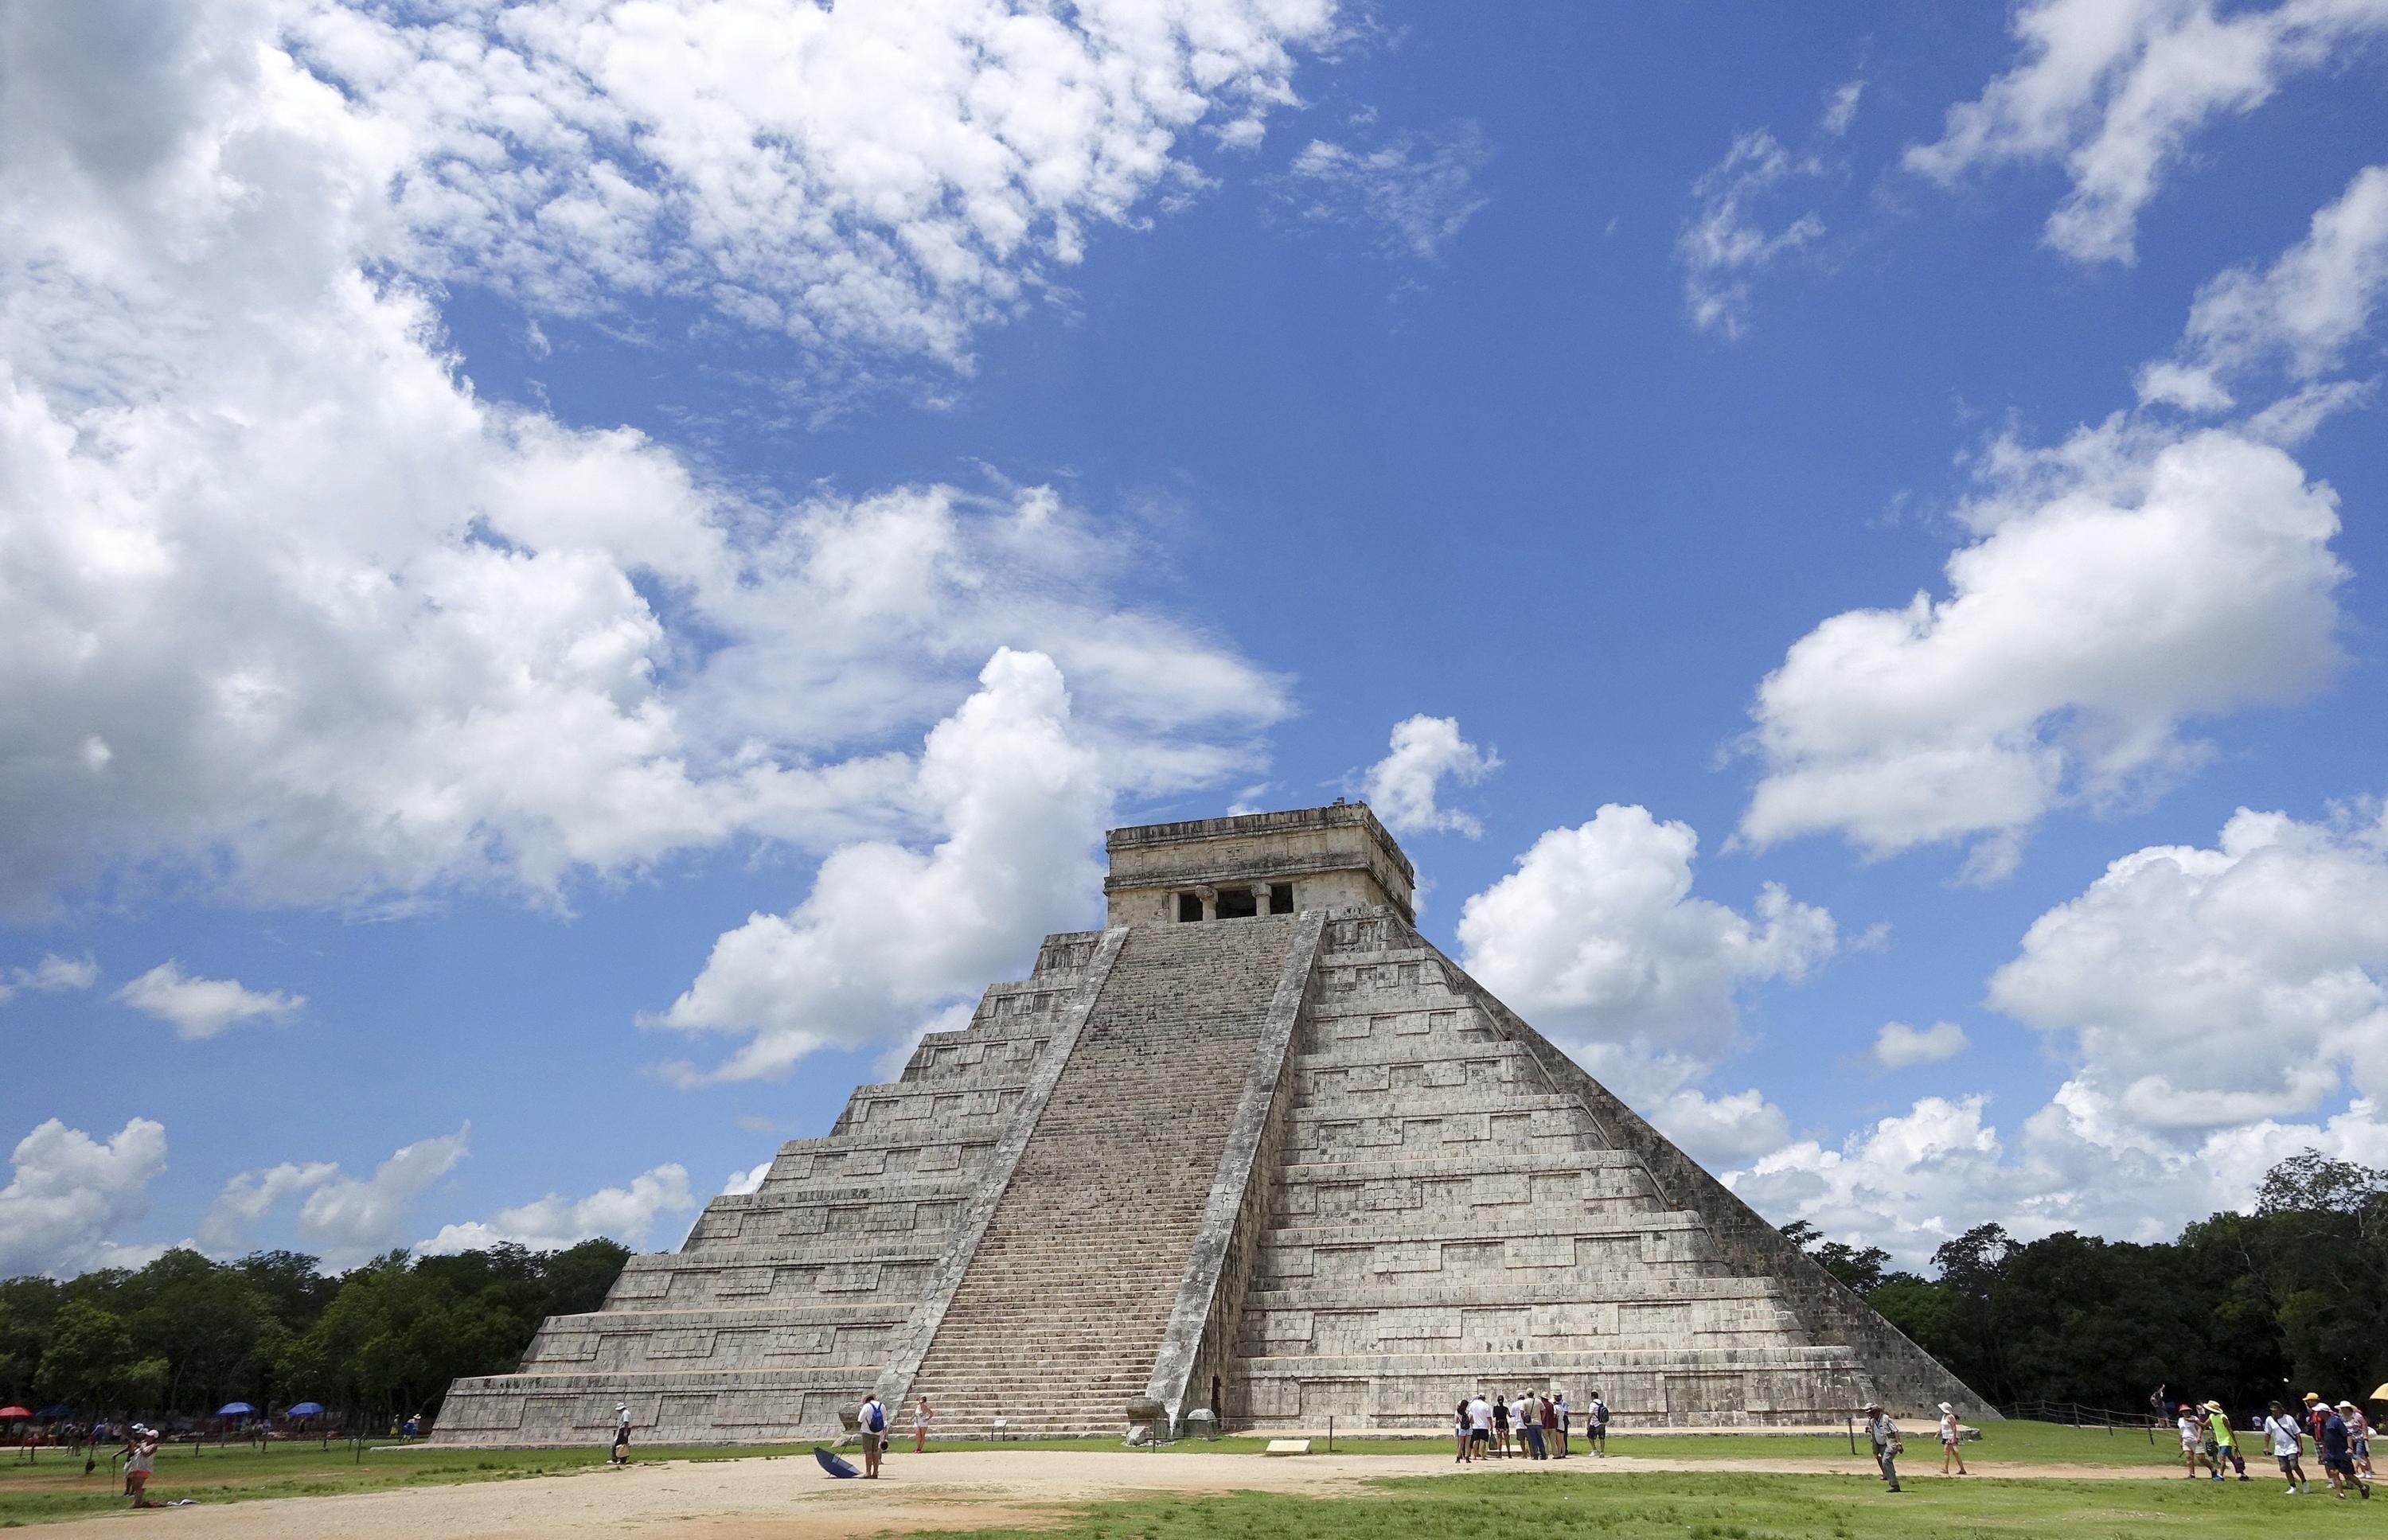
850 1335
1707 1387
769 1406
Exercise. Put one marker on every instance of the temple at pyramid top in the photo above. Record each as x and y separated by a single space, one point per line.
1256 863
1256 1154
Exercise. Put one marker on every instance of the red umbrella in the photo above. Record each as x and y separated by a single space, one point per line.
10 1414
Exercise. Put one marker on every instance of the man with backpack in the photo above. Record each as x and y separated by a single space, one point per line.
874 1433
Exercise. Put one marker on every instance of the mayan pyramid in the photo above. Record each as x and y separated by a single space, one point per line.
1255 1147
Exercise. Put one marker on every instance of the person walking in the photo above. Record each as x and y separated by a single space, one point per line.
2193 1438
2359 1429
2338 1454
1459 1431
2221 1442
621 1454
2288 1448
1883 1434
873 1421
922 1417
1596 1424
1480 1427
1950 1434
1567 1424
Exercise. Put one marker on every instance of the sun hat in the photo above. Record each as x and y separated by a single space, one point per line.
2313 1395
2343 1406
2213 1406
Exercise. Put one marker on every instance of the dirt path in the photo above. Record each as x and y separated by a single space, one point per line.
790 1499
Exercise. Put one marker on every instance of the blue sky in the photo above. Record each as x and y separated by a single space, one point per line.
573 582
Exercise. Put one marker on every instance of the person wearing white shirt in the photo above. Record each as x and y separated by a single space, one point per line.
1480 1426
2288 1448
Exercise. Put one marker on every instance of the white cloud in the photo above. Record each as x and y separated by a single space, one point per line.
1402 786
2118 89
1899 1046
291 612
2302 311
201 1008
749 1180
351 1218
1595 938
225 1229
1841 108
890 935
2122 585
1725 243
2205 988
626 1214
1719 1132
1917 1179
69 1192
1418 189
52 975
891 176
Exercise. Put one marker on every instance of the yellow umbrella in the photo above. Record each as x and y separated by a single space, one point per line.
2381 1395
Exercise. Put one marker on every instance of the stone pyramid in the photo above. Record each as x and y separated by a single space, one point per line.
1256 1147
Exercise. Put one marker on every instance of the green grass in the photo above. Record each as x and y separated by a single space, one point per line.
54 1486
1723 1507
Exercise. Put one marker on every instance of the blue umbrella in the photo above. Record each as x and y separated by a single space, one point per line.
51 1414
305 1408
235 1409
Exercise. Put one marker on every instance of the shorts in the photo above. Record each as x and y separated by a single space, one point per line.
2363 1448
2287 1462
1479 1435
2343 1464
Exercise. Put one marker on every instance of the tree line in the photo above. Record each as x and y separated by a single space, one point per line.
2243 1309
185 1334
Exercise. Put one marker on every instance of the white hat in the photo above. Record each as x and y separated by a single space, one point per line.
1947 1408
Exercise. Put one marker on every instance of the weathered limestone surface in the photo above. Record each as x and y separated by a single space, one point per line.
1280 1167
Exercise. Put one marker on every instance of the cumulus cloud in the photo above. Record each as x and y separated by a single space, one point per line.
2119 91
224 1230
625 1214
52 975
748 1180
1404 786
198 1008
1418 190
1911 1180
1899 1046
1596 940
2121 584
1721 1131
891 176
2203 987
2301 313
891 936
293 613
69 1192
350 1219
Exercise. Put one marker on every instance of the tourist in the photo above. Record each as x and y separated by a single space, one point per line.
1596 1419
137 1469
1883 1434
2316 1412
873 1421
1950 1434
1565 1426
920 1418
2221 1443
1550 1415
1459 1433
621 1454
1501 1427
1480 1427
2359 1431
2338 1453
2288 1448
1530 1427
2193 1438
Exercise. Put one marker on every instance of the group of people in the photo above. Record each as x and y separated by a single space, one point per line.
2342 1440
1541 1422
